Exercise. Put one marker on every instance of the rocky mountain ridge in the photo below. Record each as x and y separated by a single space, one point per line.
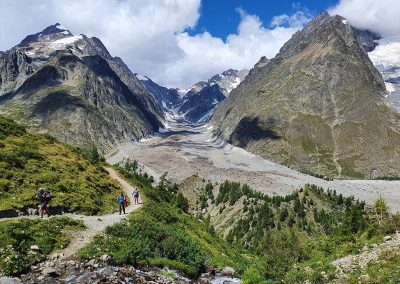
317 106
72 88
197 102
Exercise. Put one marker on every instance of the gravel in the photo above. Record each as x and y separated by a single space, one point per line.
187 150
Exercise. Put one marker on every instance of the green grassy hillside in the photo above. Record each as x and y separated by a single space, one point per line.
29 161
163 233
17 237
295 237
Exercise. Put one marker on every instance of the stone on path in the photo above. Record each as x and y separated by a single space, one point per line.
8 280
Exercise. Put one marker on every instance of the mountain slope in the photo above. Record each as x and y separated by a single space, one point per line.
299 237
168 98
196 103
29 161
71 87
317 106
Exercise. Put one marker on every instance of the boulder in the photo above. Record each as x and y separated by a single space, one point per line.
50 272
91 262
228 271
34 247
106 259
387 238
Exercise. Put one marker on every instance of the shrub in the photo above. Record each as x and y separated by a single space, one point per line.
17 236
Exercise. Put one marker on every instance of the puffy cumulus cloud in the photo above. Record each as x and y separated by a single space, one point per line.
206 55
151 37
141 32
379 16
298 19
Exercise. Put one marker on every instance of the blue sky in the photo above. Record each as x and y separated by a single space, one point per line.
180 42
220 18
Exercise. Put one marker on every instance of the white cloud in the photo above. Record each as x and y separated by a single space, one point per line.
150 35
381 16
206 55
298 19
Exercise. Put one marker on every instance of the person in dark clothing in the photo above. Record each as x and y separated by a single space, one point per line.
136 196
44 198
122 202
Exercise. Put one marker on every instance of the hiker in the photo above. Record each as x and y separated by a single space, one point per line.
136 196
44 198
122 202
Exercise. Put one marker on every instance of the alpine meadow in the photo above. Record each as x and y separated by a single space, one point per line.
199 141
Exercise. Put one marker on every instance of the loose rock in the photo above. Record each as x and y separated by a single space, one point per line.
228 271
50 272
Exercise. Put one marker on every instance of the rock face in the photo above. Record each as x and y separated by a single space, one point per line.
72 88
366 39
167 98
198 106
196 103
317 106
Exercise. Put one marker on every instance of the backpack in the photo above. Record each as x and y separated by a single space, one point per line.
47 195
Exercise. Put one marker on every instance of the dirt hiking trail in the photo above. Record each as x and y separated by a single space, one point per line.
93 224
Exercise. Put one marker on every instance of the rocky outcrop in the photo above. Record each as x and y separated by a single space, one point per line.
168 98
104 270
370 254
317 106
100 270
198 107
72 88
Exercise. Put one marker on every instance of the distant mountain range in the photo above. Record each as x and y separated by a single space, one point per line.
197 102
327 103
72 88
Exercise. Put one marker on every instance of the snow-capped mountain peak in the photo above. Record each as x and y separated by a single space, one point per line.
229 79
196 103
51 33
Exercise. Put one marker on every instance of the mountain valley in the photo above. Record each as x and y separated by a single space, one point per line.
285 173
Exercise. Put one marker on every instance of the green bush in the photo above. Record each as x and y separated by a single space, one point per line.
161 233
17 236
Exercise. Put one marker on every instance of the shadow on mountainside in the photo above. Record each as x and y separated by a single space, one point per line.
251 129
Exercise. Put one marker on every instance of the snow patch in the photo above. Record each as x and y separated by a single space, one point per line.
390 88
163 130
345 22
141 77
234 84
66 32
63 42
183 92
